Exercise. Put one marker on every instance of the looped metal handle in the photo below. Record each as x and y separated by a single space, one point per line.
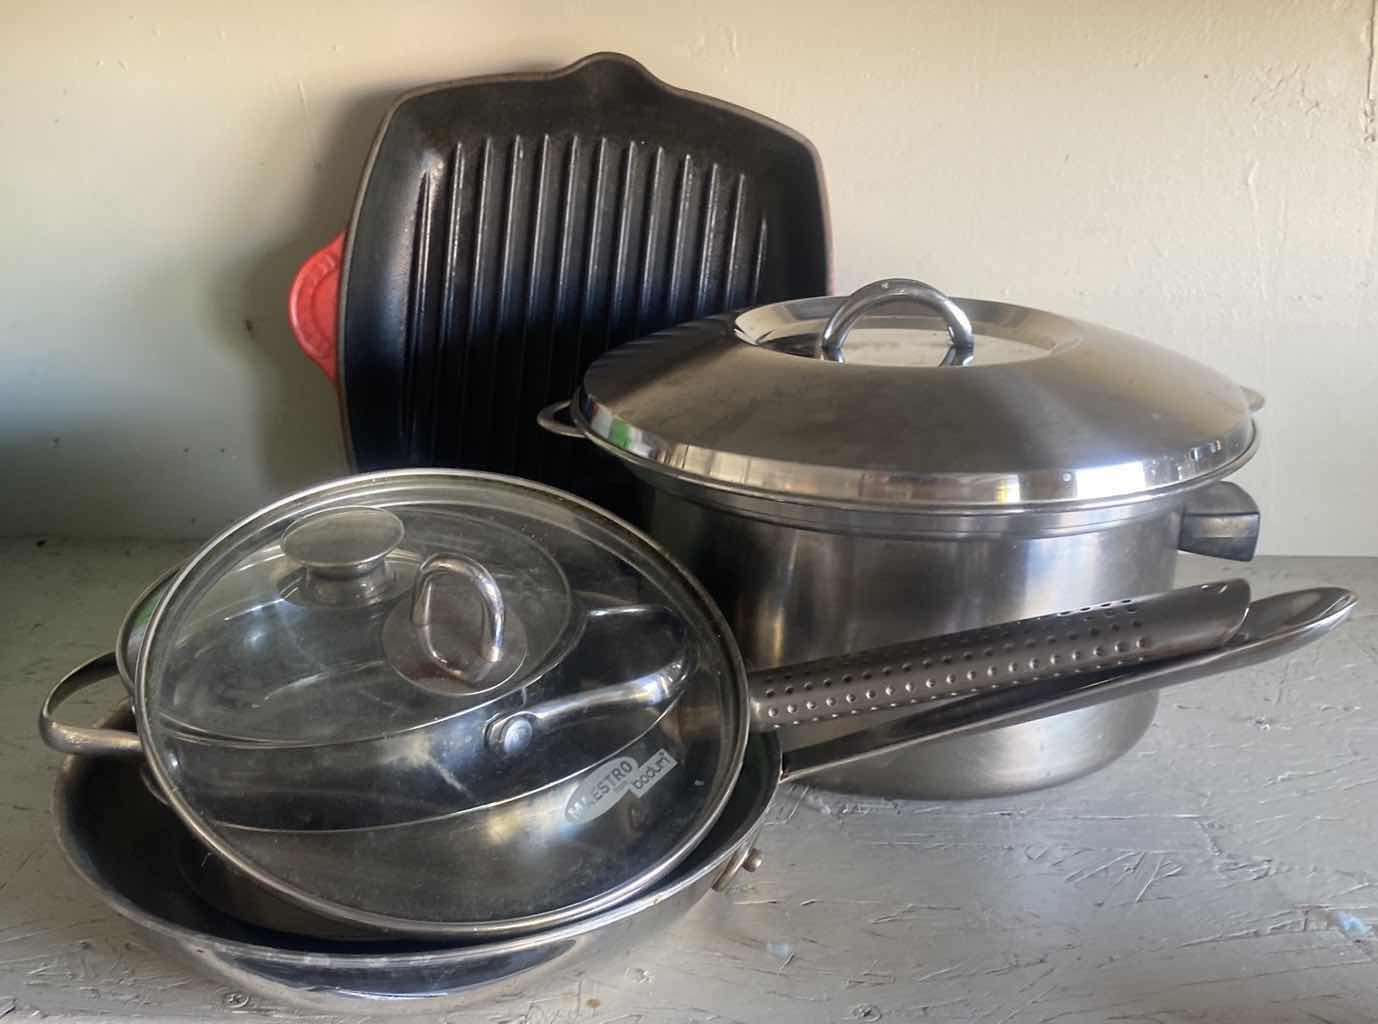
555 419
75 739
897 289
511 733
424 612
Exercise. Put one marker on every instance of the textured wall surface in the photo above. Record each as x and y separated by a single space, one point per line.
1202 174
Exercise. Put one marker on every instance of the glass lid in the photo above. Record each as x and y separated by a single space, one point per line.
899 396
353 622
385 684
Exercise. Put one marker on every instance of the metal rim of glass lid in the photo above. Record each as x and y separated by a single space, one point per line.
900 396
441 702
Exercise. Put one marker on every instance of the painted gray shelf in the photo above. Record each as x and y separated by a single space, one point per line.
1225 871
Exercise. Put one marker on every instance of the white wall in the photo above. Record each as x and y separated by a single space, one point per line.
1204 174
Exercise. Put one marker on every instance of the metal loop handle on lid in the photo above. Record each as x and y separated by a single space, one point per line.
896 289
424 613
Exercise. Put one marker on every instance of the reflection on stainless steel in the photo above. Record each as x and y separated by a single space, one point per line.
796 593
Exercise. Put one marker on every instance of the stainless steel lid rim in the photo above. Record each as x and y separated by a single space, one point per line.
900 501
916 524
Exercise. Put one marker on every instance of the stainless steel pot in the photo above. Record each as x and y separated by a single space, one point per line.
848 581
840 479
121 841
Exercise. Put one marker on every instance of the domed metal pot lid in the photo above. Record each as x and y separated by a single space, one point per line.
901 396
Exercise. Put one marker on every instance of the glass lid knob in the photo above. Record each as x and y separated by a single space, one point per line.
343 552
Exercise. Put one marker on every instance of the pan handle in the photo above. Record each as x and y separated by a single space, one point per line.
1078 641
1220 520
313 306
76 739
1273 627
512 732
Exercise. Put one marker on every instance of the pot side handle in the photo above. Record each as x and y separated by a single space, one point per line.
75 739
555 419
1220 520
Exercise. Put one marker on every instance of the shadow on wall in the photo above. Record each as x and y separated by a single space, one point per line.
299 440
